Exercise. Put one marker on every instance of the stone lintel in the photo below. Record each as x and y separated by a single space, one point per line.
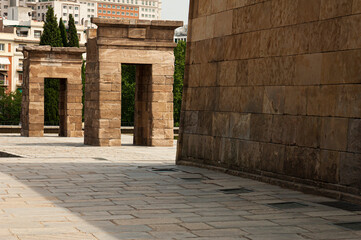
135 44
56 50
135 23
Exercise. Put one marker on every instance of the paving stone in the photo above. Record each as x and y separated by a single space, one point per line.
50 194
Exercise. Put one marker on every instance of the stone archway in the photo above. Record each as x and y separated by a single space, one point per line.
43 62
149 45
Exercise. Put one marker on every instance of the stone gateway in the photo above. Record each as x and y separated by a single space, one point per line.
43 62
148 45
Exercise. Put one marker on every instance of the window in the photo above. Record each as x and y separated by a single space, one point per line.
100 5
118 13
70 7
76 8
136 14
76 22
108 12
127 8
131 14
2 47
104 11
37 34
123 13
64 14
113 6
64 7
131 8
113 12
20 77
127 14
100 11
76 15
109 6
136 9
92 10
118 7
122 8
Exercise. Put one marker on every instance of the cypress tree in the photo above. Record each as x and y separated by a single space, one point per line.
73 40
51 33
51 36
63 35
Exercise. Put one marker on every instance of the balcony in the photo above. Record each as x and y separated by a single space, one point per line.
4 82
3 67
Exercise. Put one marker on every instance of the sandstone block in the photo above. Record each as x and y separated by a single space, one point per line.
335 8
354 136
334 134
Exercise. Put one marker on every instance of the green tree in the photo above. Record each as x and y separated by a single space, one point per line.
10 107
51 33
179 54
51 101
64 37
51 36
128 94
73 40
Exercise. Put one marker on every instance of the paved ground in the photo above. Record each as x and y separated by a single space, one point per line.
62 189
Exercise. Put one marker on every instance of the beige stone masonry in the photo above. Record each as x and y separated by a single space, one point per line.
148 45
63 63
273 91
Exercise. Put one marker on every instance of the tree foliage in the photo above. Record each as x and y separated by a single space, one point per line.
51 101
10 107
128 94
73 40
51 33
179 54
51 36
64 37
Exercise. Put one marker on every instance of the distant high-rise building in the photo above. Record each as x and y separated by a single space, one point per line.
84 10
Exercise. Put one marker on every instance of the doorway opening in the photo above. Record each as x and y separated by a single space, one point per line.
55 103
136 101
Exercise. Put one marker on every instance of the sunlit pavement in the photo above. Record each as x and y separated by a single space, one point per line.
61 189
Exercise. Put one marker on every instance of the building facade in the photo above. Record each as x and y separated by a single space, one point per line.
15 35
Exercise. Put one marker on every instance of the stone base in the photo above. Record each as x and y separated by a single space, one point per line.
307 186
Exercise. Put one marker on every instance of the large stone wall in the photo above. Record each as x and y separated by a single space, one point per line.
273 89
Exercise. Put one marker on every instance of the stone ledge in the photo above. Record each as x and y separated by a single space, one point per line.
47 48
327 189
137 23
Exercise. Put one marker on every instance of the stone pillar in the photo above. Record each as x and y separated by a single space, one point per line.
32 106
161 100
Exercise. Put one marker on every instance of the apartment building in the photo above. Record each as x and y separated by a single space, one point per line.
133 9
15 35
84 10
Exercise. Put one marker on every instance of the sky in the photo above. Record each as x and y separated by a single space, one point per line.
175 10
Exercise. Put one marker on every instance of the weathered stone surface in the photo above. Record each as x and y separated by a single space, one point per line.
149 45
280 94
43 62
